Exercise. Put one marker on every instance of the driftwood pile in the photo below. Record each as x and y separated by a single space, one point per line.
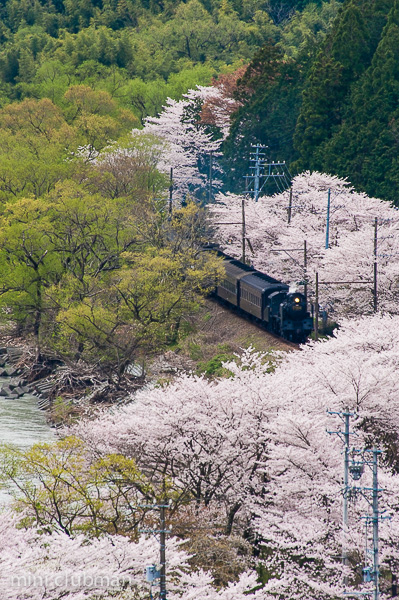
54 382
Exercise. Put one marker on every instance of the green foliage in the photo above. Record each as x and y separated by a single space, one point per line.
195 351
101 279
304 32
140 52
365 146
39 139
340 128
62 486
270 91
28 263
214 366
323 96
93 269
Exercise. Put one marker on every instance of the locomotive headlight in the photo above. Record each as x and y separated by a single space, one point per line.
297 300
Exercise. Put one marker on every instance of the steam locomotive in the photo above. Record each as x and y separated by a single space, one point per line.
268 300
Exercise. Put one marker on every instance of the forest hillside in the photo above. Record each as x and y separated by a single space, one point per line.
317 81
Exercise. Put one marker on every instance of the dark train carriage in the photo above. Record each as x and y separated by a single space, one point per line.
255 288
229 287
265 298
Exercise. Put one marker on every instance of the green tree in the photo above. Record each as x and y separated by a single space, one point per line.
304 32
102 279
365 147
62 486
270 94
27 264
344 56
36 142
57 248
139 306
95 116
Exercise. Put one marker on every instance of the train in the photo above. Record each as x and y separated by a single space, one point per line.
269 301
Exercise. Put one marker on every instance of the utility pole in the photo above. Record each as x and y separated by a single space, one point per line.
210 177
259 176
316 324
346 416
257 169
376 567
152 573
328 218
290 206
162 542
345 437
243 228
258 158
170 192
375 288
305 266
356 469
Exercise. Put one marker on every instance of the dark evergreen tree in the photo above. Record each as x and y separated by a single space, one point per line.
365 148
346 53
270 92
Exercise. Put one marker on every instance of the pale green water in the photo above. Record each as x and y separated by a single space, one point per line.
22 424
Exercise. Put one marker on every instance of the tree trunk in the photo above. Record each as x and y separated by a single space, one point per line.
38 320
230 517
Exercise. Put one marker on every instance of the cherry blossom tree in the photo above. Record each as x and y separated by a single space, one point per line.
178 138
277 230
188 144
258 440
210 452
37 566
219 102
355 371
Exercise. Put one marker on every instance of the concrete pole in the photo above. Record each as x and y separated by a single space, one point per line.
243 228
290 206
170 192
346 416
316 324
305 266
328 218
257 174
375 287
162 539
376 567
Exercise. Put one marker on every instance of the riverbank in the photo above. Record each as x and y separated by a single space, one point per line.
69 391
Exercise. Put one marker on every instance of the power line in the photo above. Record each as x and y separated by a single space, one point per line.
263 171
354 462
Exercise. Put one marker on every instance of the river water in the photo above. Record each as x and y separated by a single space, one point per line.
22 424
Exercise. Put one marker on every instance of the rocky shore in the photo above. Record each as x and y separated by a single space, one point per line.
20 379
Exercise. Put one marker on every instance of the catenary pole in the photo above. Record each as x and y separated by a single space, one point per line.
376 567
171 191
346 416
290 206
243 228
305 266
162 540
375 288
316 324
328 218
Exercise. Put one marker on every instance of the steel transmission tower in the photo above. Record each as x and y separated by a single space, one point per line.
262 171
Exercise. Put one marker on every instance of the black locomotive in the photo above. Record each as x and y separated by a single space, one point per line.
265 298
